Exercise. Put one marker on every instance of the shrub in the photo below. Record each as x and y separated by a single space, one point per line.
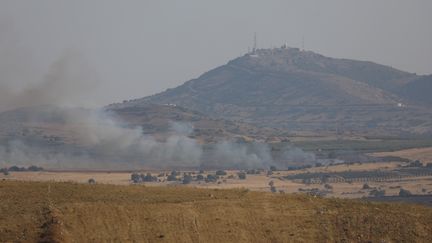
221 173
91 181
416 163
366 186
273 189
377 193
328 187
253 172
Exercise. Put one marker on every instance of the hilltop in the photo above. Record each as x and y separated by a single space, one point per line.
307 92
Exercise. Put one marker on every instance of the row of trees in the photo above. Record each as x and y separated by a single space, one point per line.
15 168
187 177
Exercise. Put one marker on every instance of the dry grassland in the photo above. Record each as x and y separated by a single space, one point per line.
68 212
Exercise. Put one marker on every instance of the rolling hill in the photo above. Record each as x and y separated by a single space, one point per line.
307 92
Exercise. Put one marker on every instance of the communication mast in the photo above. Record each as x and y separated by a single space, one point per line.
255 44
303 48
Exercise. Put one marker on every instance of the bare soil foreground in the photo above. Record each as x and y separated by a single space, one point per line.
71 212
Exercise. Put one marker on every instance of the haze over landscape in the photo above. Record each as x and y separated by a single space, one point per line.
198 121
138 48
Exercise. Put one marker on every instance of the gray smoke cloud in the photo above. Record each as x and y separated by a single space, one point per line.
70 81
98 139
105 142
228 154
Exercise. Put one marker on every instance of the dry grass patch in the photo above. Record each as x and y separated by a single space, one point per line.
108 213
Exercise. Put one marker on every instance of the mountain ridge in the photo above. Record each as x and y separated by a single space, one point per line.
260 87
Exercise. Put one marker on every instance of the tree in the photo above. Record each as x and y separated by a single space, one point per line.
187 179
221 173
148 177
34 168
211 178
91 181
4 171
200 177
16 168
242 175
171 177
135 178
404 193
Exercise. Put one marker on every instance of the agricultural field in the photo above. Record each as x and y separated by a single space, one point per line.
340 180
422 154
73 212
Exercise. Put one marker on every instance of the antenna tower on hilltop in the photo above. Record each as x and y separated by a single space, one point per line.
255 44
303 48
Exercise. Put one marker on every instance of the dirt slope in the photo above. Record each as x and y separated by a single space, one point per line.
66 212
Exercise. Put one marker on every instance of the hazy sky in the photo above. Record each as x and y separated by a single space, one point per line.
140 47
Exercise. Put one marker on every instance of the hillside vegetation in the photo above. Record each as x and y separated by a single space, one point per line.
65 212
305 91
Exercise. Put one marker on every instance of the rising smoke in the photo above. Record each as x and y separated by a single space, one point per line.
102 141
98 140
69 81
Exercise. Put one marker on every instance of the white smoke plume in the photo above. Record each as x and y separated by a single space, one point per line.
105 142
